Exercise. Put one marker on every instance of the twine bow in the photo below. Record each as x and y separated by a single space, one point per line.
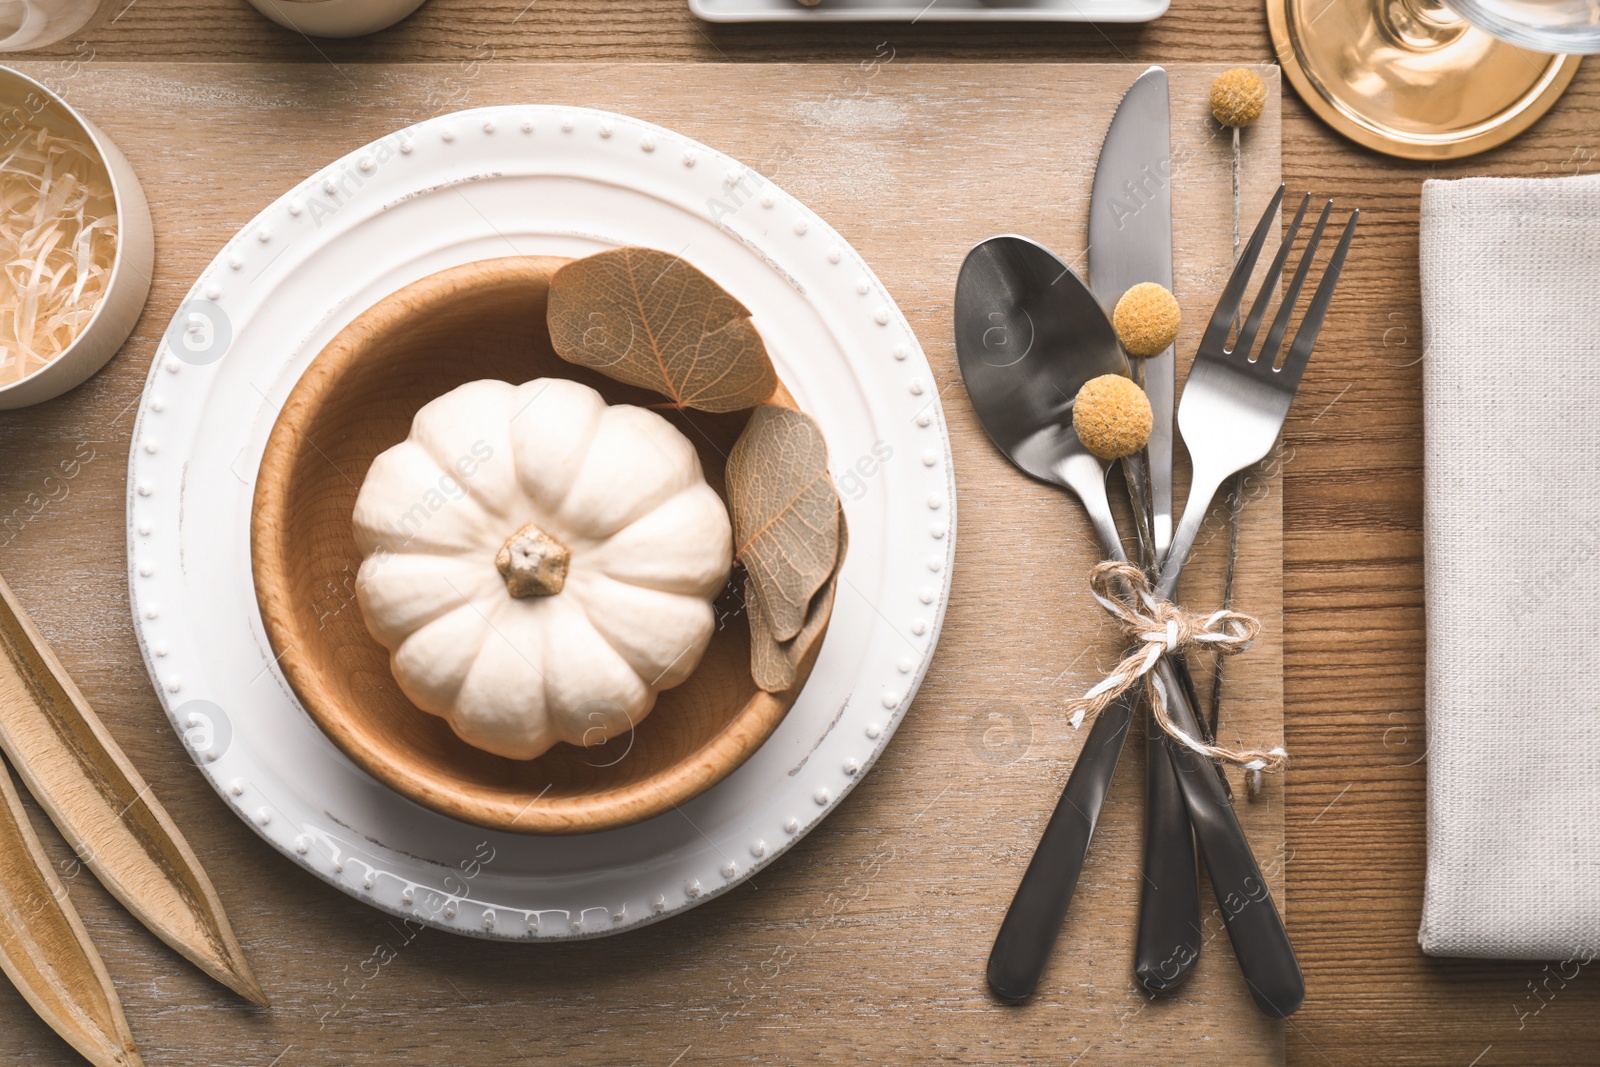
1157 628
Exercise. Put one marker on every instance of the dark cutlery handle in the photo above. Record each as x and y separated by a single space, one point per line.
1259 939
1168 943
1028 933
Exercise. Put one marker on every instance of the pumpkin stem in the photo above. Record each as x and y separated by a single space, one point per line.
533 563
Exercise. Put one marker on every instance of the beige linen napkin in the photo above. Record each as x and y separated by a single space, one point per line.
1511 404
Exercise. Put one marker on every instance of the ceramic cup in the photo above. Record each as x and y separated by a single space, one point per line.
25 104
336 18
39 23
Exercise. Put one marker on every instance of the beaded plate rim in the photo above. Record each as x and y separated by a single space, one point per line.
427 152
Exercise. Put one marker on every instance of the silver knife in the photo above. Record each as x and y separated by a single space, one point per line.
1130 241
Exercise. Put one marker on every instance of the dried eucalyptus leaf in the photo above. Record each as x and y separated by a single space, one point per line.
785 513
648 318
773 664
768 665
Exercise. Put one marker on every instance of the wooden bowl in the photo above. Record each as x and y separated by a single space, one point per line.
481 320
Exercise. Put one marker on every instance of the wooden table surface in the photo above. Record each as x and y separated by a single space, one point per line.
1353 557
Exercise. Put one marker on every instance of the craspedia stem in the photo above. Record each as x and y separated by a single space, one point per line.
1238 167
1238 99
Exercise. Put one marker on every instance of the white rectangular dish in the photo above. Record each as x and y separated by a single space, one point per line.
934 11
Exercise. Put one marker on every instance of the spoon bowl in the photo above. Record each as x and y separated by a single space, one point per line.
1029 334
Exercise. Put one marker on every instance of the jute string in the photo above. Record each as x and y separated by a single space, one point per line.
1157 628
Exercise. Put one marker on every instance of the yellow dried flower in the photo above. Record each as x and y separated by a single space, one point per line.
1112 416
1238 97
1146 319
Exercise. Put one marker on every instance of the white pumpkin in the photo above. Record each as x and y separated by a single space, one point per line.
539 564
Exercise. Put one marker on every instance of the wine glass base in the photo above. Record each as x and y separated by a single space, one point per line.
1411 78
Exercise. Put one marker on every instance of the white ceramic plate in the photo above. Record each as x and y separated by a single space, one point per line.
475 185
930 10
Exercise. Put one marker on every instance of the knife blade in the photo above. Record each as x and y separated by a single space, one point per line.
1130 241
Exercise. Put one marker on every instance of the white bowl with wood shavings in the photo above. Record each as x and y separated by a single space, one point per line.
26 109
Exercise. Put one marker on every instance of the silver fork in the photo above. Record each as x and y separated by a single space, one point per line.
1232 409
1235 400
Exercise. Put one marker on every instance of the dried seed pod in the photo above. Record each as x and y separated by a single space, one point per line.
1238 97
1112 416
1146 319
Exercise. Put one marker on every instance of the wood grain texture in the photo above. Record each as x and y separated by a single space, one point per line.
887 912
479 320
104 808
1352 494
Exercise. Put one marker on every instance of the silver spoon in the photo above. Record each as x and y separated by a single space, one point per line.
1019 313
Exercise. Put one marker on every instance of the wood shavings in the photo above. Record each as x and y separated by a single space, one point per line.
58 241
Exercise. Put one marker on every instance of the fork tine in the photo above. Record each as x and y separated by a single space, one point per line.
1294 364
1268 355
1216 336
1258 310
